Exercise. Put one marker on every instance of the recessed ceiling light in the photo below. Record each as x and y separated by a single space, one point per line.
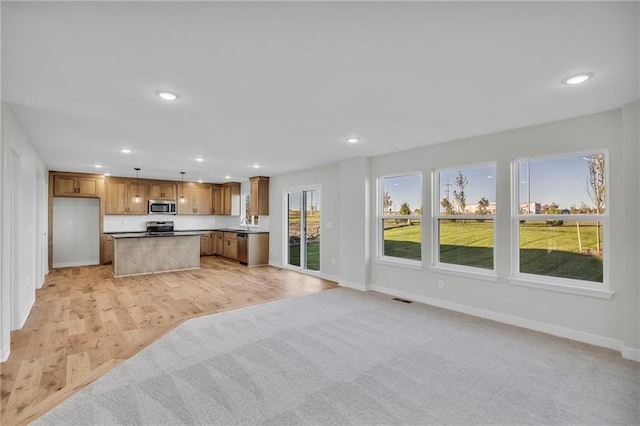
256 166
227 177
107 174
98 166
167 96
353 140
125 151
199 159
577 78
489 177
199 180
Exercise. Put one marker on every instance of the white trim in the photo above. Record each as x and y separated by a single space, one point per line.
24 314
77 263
330 277
630 353
355 286
603 293
568 333
399 262
462 271
4 354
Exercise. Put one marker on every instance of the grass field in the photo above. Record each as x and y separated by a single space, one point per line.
313 255
544 250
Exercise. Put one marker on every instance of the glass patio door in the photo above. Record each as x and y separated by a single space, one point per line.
303 230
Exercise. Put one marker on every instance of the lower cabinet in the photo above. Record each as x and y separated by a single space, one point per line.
205 244
218 243
230 249
107 249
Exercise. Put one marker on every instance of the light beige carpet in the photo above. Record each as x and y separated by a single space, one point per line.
345 357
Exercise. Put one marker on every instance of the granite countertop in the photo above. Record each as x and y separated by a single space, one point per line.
244 231
152 235
140 234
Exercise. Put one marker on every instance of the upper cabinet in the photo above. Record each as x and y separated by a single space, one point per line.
162 191
231 198
70 185
197 199
120 197
217 192
259 205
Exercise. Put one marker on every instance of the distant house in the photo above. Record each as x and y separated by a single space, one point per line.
533 208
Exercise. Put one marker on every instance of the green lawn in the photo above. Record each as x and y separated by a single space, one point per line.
313 255
544 250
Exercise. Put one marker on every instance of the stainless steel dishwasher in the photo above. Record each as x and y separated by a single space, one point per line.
243 247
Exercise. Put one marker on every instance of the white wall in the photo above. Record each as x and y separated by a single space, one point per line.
611 323
23 261
355 214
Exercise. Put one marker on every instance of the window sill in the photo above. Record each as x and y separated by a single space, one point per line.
562 288
399 262
484 276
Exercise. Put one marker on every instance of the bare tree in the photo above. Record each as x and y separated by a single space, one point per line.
386 200
461 181
596 187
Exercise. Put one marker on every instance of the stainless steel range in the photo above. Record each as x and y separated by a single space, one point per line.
160 227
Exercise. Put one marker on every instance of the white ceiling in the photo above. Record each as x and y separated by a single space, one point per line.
284 84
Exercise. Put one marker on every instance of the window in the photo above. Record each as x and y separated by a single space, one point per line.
248 219
464 220
561 219
400 216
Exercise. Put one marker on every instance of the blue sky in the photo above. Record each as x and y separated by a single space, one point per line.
561 180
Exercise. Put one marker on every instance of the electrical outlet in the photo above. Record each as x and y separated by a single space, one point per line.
440 283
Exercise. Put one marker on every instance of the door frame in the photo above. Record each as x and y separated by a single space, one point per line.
285 228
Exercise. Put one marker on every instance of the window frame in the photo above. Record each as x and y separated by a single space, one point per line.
566 285
381 217
453 268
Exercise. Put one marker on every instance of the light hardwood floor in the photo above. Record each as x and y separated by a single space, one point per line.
85 322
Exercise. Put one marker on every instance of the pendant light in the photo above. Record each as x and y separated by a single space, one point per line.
137 198
182 199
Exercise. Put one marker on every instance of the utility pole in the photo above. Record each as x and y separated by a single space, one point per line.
447 186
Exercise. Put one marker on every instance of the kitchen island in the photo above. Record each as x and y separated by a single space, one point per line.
146 253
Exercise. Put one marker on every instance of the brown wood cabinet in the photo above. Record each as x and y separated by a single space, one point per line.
75 186
259 204
162 191
218 243
230 249
107 249
217 192
197 199
119 197
231 198
258 249
205 244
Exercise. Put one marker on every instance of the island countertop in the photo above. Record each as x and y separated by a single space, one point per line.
155 234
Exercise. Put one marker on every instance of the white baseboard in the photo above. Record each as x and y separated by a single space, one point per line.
330 277
4 354
630 353
554 330
26 310
81 263
355 286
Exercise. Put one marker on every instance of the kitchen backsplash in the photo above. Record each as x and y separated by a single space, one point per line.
130 223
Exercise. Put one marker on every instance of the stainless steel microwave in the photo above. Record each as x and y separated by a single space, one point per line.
162 207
